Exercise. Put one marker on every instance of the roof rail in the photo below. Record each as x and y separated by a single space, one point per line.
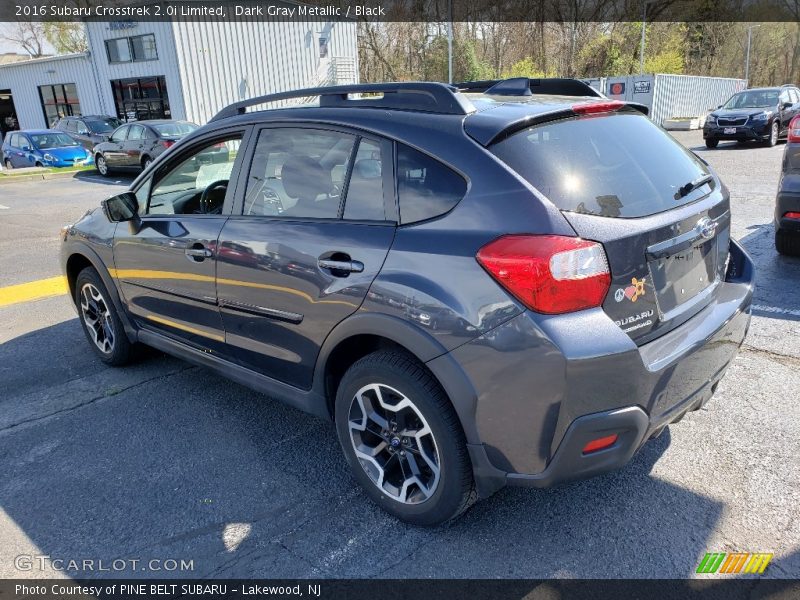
523 86
422 96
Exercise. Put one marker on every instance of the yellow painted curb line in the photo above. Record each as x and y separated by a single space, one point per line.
33 290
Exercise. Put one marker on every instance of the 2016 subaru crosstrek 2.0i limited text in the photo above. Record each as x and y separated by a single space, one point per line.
515 282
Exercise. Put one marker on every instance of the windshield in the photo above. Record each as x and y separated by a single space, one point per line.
753 99
103 125
174 129
44 141
619 165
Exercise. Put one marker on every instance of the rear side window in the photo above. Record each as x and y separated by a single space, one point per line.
425 187
618 165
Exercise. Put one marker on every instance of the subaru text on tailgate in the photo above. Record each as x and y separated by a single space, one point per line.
506 282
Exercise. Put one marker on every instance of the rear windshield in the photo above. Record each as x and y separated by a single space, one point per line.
616 165
174 129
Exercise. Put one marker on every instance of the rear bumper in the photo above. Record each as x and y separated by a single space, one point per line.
548 385
787 202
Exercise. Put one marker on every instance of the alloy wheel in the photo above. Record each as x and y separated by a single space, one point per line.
101 165
97 318
394 444
774 134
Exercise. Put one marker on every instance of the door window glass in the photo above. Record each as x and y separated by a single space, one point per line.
119 135
365 191
197 184
425 187
136 133
298 172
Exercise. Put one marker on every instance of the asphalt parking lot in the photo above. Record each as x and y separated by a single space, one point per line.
163 460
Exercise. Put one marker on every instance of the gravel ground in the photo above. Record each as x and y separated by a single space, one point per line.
163 460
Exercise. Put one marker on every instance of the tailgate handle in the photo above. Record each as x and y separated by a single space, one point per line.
704 230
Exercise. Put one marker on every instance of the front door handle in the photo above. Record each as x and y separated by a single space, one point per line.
346 266
198 253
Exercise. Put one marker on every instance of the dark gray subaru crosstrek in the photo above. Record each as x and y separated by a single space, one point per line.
517 283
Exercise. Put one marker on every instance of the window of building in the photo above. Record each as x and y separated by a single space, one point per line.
59 101
132 49
141 98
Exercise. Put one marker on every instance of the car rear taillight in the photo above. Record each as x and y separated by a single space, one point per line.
590 108
550 274
167 143
794 130
792 215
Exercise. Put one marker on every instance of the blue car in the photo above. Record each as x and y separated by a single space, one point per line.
43 148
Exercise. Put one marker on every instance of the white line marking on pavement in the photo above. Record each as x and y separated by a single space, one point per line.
776 309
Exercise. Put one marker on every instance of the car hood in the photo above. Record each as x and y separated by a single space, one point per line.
65 152
741 112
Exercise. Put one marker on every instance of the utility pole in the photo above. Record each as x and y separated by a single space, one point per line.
747 59
450 41
644 32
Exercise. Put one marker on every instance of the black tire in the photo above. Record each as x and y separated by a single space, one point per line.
38 164
146 160
787 244
121 350
774 134
454 491
101 165
711 143
8 164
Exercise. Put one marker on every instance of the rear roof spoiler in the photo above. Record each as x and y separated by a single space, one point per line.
524 86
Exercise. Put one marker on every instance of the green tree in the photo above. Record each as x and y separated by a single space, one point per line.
66 37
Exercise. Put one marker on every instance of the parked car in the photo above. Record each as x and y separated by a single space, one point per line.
579 259
136 145
787 203
42 148
758 114
89 130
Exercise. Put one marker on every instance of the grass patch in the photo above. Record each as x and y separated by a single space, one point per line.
45 170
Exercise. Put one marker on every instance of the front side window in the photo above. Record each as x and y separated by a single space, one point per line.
425 187
298 172
120 134
198 183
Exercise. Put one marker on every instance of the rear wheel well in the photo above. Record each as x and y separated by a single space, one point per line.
75 264
348 352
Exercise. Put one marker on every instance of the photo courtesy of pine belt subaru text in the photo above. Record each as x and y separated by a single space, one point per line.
500 282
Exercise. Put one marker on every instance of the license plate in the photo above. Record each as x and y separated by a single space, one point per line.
682 276
729 130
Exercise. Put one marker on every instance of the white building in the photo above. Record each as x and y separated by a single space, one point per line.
178 70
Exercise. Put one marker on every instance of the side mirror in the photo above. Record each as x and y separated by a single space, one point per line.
122 207
26 148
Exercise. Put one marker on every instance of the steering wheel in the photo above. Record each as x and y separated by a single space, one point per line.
207 206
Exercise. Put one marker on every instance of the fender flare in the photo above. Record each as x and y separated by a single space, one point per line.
419 343
89 254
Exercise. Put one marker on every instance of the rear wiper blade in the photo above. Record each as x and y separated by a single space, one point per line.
687 189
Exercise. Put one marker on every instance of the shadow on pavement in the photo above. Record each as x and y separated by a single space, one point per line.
161 460
116 179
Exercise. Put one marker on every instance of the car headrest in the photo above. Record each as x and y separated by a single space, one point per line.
367 168
304 178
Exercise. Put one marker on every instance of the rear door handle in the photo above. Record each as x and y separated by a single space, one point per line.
347 266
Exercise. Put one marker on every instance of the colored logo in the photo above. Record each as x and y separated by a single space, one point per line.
734 562
632 292
617 89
